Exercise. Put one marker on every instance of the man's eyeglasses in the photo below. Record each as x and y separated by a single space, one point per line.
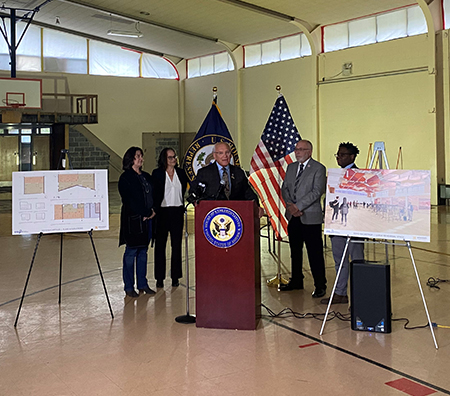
302 149
338 155
227 153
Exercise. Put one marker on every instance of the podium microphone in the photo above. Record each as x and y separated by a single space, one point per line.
197 195
221 187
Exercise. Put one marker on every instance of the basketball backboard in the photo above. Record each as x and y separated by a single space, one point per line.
20 92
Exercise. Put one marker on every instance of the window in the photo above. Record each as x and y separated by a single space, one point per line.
391 25
28 55
64 52
281 49
111 60
209 64
157 67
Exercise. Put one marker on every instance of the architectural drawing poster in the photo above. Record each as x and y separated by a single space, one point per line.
378 203
59 201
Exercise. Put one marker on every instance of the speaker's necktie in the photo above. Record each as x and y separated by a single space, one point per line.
226 184
297 180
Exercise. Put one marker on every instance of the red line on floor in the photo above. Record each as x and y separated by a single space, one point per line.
308 345
410 387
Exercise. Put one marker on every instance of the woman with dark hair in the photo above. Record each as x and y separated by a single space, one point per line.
170 186
136 191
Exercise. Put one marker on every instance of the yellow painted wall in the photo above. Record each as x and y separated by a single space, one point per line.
397 109
198 99
259 95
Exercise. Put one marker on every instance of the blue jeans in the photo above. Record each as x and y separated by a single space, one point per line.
140 254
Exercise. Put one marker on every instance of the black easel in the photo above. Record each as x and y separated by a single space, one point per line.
64 153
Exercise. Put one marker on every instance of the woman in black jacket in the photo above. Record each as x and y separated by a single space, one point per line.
170 186
136 191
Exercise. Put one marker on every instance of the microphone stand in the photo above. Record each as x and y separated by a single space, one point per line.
221 187
188 318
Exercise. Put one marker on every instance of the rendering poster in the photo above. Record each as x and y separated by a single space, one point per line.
378 203
60 201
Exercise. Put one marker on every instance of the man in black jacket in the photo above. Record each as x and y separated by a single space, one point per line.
222 180
345 158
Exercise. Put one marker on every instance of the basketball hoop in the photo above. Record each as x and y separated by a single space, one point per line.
13 103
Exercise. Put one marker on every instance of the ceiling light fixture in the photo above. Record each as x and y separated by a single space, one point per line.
126 33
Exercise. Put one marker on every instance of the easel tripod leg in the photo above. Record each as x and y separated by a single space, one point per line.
421 293
28 278
101 274
60 268
334 286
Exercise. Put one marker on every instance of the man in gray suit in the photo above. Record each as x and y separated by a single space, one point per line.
345 158
302 189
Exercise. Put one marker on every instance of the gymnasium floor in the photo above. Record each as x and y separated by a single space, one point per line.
77 349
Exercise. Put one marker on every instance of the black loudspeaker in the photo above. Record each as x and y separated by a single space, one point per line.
370 296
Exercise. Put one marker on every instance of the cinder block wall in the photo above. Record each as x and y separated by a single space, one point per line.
84 155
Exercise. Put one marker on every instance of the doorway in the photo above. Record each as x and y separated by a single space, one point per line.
23 149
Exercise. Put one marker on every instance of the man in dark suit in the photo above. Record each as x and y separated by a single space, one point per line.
302 189
222 180
345 158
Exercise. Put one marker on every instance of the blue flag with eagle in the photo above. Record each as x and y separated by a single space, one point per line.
200 152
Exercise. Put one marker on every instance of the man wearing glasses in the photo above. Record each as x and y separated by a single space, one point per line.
222 180
345 158
302 189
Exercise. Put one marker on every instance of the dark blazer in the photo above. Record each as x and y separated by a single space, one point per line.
134 232
241 189
159 178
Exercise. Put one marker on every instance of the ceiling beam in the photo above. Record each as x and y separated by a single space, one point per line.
265 11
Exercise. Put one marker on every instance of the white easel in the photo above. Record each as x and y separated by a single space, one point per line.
379 149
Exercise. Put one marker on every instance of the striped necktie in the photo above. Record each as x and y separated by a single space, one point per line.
226 184
297 180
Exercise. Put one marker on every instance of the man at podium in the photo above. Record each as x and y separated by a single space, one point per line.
221 180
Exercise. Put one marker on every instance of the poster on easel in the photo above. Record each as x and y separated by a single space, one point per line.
60 201
378 203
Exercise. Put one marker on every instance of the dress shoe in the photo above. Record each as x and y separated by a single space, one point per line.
147 290
291 286
175 283
132 294
319 293
159 283
337 299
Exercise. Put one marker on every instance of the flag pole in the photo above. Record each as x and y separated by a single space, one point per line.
278 280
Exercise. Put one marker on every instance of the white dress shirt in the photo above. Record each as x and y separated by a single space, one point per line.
172 191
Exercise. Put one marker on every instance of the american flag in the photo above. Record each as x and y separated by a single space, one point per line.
275 151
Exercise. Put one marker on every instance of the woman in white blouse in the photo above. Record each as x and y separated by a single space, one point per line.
170 186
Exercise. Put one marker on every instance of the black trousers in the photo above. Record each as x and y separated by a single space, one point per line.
170 220
311 236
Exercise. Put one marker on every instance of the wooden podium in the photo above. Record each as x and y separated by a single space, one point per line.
228 278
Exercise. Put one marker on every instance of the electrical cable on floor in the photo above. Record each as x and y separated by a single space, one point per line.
433 282
419 327
289 313
405 326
